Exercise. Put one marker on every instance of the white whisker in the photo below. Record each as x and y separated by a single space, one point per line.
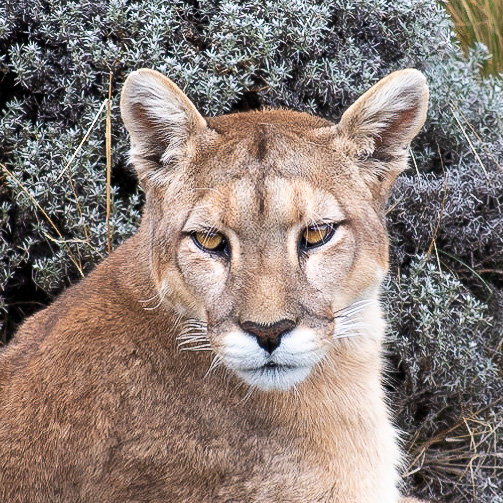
186 337
192 341
320 219
248 395
215 363
197 348
348 323
144 301
162 295
156 306
194 323
352 309
357 303
189 333
348 335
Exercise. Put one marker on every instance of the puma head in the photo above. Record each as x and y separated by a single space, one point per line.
268 228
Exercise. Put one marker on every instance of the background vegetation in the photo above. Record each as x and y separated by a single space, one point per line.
480 21
444 295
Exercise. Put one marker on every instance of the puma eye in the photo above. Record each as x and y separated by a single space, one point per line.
210 241
316 235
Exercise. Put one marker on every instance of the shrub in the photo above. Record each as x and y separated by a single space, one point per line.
447 347
445 292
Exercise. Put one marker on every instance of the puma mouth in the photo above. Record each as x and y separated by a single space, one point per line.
286 367
272 365
274 377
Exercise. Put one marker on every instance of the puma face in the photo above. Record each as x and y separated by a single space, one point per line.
271 264
267 228
260 263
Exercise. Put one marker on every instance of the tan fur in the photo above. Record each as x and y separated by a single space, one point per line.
99 402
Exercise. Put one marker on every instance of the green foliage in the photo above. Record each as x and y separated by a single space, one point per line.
315 56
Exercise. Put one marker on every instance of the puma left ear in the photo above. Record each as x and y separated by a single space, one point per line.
161 121
381 124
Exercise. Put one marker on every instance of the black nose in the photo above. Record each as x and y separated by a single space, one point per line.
268 336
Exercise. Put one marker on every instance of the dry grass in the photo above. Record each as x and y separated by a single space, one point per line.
463 452
61 240
108 142
480 21
108 147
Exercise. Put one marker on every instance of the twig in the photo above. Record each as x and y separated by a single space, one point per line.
79 209
441 436
391 208
108 138
441 212
484 146
469 142
47 217
415 163
86 137
438 258
482 271
473 271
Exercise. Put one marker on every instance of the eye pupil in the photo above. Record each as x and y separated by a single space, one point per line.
316 235
210 241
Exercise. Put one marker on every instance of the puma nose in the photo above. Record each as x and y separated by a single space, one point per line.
268 336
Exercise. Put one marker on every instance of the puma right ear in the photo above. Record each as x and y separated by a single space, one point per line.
161 121
381 124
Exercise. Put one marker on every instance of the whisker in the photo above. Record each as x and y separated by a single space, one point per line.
320 219
349 325
191 341
193 324
356 303
193 332
215 363
191 336
354 308
248 395
144 301
197 348
177 321
161 300
196 328
162 295
347 336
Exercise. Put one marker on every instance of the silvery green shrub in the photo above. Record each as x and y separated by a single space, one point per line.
444 294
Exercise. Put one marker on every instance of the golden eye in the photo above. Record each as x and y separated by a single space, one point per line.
316 235
210 241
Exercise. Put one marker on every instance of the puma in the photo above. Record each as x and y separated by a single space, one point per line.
230 351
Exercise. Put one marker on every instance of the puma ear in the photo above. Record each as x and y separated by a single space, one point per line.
381 124
161 121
